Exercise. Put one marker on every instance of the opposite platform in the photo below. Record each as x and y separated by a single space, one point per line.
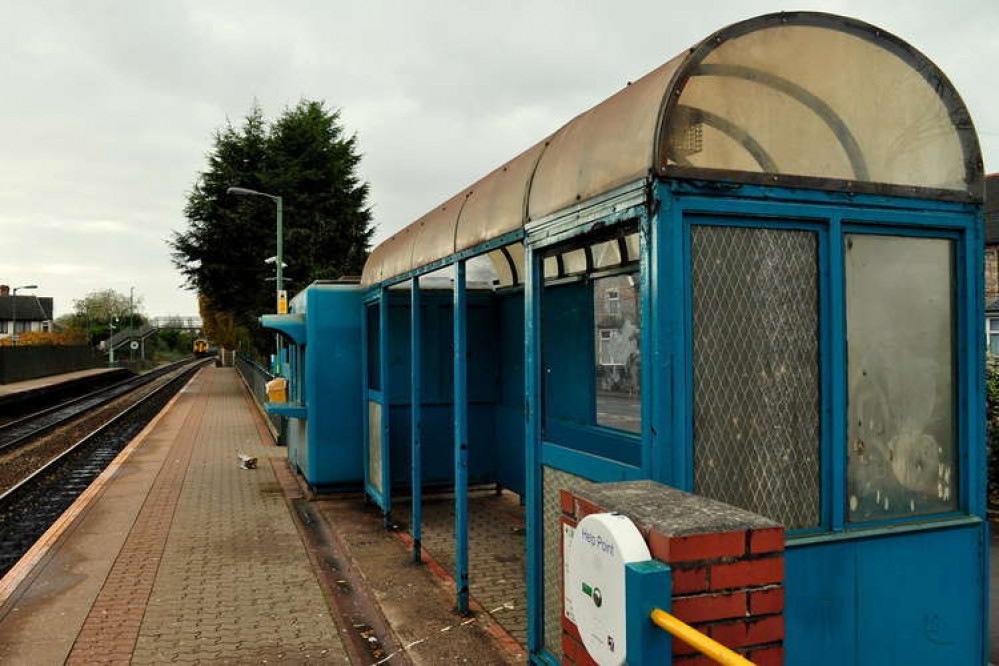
181 556
39 383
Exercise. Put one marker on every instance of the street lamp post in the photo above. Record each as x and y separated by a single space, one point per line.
244 192
279 259
13 312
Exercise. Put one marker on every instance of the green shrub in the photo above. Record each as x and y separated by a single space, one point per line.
992 425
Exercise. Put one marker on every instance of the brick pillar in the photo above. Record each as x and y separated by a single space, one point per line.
727 567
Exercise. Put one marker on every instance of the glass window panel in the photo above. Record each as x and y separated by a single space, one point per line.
994 344
574 262
618 336
994 325
902 455
516 252
480 272
374 368
375 445
501 267
633 247
551 267
756 370
607 254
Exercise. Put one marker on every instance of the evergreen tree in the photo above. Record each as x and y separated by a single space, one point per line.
306 157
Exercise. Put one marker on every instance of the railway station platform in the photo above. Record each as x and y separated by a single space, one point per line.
13 389
175 553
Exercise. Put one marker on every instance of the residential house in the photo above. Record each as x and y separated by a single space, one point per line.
23 313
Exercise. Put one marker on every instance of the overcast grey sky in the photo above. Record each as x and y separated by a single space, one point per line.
109 106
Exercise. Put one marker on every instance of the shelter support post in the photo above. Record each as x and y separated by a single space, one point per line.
460 439
648 586
416 426
383 354
532 443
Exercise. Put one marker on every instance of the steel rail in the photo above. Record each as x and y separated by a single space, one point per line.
34 425
9 496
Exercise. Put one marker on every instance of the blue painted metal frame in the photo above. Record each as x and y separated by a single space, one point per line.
826 369
366 397
666 302
683 204
384 367
533 287
460 438
383 497
593 467
648 586
416 415
540 453
481 248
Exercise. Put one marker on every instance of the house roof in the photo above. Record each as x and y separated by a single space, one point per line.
29 308
992 209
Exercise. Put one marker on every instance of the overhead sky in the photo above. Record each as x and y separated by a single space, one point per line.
109 106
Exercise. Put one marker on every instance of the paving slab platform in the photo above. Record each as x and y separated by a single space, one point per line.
175 554
10 390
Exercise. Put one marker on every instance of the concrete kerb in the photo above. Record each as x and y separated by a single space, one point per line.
367 634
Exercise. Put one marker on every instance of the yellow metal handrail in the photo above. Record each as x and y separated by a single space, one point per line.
695 639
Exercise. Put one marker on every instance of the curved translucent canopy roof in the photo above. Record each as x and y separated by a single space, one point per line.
797 99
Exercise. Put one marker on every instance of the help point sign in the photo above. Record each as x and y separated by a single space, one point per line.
601 547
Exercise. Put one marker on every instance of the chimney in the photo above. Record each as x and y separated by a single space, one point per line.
4 290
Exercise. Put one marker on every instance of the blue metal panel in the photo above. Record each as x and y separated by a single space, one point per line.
331 371
416 404
569 391
913 598
460 440
509 407
588 466
918 599
820 604
291 326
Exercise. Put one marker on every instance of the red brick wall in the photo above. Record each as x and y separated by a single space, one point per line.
727 585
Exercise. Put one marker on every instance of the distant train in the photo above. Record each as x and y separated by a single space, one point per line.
202 348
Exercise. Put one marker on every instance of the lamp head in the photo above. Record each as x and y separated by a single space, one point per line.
242 191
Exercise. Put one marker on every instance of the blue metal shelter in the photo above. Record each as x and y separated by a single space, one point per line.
753 274
323 368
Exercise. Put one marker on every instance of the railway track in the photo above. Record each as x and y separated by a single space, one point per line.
20 432
28 508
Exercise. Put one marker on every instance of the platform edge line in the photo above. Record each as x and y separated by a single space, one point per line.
21 571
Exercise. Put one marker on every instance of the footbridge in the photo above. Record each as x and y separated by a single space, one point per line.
152 325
